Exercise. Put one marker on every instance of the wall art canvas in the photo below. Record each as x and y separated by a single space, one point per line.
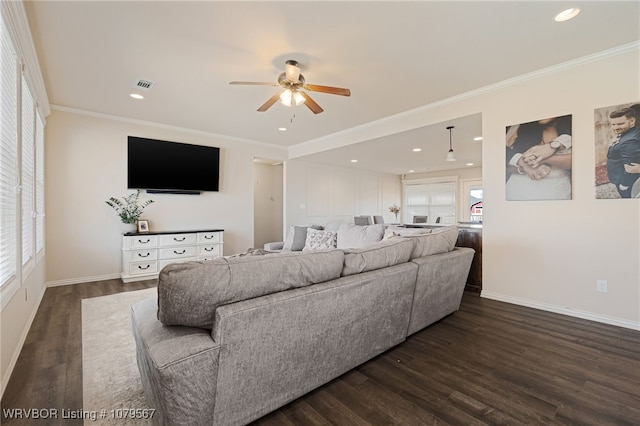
617 145
539 160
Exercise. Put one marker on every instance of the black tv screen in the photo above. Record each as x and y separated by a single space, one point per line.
163 166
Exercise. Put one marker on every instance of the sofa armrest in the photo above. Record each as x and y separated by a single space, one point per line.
178 367
275 246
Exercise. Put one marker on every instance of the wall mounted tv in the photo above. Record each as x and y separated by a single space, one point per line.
171 167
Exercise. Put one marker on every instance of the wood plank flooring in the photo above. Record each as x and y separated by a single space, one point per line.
489 363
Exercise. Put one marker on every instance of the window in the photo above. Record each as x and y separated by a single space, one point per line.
434 198
39 176
21 170
27 186
8 159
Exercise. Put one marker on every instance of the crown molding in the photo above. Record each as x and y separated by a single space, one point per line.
409 120
163 126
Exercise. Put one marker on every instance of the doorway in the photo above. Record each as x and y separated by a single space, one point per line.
267 201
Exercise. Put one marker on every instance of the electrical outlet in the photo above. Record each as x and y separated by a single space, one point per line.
601 286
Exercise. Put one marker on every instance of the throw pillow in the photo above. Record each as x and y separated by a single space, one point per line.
320 240
356 236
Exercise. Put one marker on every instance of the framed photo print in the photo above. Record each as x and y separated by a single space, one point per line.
617 145
539 160
143 226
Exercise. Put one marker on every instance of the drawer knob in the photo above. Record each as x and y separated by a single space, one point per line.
144 242
208 237
179 239
209 249
144 255
181 252
144 267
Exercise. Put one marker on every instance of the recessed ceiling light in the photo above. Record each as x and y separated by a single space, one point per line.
354 161
282 129
469 164
411 171
136 96
477 138
567 14
417 149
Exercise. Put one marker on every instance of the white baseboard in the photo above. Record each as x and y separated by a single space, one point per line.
605 319
82 280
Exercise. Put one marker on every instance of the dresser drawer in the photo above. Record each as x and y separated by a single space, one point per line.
209 237
210 251
177 252
139 268
141 255
140 241
171 240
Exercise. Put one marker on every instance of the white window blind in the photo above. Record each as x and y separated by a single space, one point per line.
28 186
8 158
434 200
39 183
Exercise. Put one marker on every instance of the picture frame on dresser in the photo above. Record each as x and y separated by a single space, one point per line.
143 225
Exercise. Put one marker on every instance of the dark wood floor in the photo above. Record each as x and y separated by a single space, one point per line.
489 363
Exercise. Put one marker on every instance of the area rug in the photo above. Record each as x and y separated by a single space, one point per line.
111 385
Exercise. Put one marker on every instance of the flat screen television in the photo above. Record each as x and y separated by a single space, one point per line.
171 167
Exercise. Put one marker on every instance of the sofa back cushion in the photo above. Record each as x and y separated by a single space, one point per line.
355 236
190 292
441 240
376 256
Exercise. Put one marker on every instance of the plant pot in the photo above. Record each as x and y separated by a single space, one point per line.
128 227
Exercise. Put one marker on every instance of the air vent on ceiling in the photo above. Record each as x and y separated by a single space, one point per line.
143 84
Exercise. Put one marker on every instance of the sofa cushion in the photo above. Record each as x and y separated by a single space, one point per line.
355 236
440 240
320 240
376 256
190 292
297 237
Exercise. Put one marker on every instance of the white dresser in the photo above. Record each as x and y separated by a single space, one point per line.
145 254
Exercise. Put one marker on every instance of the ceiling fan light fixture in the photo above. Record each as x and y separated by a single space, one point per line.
450 156
290 97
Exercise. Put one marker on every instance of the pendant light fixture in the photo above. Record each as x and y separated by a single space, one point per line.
450 156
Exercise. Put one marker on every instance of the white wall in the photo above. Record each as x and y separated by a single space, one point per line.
86 158
319 194
268 201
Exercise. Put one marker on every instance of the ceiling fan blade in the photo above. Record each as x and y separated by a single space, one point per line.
253 83
272 100
311 104
292 71
328 89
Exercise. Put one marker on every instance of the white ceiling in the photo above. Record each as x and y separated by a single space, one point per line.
394 56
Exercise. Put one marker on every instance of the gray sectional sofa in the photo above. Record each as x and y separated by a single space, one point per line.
230 340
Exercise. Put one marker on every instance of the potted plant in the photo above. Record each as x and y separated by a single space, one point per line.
395 210
128 208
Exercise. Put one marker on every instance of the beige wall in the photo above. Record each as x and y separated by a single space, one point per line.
549 254
86 159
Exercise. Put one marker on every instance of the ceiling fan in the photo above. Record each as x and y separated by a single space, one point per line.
292 83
